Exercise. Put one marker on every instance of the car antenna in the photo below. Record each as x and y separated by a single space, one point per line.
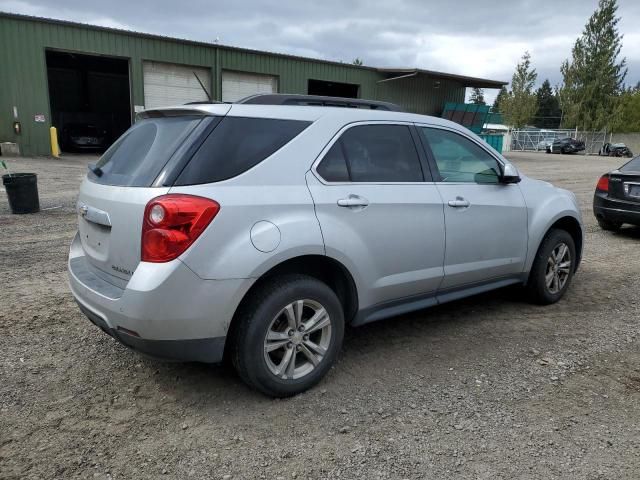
202 86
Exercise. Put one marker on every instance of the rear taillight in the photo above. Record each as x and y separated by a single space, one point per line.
603 184
172 223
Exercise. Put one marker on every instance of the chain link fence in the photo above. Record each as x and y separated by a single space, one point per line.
539 140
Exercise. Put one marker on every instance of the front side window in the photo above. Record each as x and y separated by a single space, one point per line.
373 153
459 159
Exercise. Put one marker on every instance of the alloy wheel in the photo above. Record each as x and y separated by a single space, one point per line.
297 339
558 268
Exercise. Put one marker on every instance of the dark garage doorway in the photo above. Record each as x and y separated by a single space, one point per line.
89 98
332 89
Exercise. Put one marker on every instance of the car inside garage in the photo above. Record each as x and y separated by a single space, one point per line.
90 99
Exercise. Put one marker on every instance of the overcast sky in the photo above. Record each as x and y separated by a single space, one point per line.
470 37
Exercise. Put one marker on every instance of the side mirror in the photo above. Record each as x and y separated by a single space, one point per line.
510 174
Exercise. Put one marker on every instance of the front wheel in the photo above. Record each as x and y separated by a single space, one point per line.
288 335
553 268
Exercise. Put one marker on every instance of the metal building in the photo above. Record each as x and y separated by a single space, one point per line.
62 73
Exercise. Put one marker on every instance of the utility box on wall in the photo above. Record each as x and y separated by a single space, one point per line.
9 149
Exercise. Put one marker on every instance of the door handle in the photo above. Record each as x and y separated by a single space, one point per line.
353 201
459 202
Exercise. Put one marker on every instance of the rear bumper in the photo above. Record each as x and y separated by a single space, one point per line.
206 350
616 210
165 310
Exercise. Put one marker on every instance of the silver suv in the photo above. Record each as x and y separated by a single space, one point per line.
257 233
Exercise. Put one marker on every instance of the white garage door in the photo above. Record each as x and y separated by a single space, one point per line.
237 85
171 84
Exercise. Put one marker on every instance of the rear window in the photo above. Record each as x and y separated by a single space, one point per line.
236 145
632 166
140 154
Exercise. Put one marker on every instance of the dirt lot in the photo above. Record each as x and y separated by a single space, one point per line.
489 387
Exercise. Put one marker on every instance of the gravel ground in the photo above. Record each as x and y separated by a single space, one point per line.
488 387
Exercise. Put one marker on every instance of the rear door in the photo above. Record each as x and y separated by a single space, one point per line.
486 222
379 212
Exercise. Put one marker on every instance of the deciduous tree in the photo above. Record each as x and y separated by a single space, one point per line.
519 106
629 117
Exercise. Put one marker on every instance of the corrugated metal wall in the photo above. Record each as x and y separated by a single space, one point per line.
23 74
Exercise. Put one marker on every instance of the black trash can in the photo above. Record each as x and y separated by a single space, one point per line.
22 190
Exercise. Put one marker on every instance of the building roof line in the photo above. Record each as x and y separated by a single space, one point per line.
469 81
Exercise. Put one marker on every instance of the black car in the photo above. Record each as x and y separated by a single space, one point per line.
84 136
617 197
566 145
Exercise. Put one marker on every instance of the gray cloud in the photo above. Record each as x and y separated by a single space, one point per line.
468 37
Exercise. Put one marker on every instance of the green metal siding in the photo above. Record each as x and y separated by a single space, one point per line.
495 140
23 75
420 94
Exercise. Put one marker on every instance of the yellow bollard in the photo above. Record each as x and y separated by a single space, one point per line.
55 149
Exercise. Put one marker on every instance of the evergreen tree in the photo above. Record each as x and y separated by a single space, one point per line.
593 79
497 103
477 96
357 61
548 114
520 104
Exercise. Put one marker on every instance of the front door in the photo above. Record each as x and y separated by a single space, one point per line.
485 221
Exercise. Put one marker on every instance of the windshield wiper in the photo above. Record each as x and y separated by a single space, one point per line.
97 171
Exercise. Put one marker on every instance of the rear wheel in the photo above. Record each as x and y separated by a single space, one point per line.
288 335
609 225
553 268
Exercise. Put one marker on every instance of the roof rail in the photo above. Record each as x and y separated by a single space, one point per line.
317 100
204 102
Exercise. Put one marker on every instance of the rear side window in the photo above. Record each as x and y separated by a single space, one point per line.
236 145
333 167
632 166
373 153
139 155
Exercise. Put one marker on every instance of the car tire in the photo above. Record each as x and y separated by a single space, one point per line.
553 268
608 225
265 321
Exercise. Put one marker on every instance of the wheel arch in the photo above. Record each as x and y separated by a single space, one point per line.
326 269
568 223
574 228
